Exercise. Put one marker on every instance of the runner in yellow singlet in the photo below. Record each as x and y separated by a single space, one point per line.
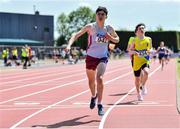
141 47
131 40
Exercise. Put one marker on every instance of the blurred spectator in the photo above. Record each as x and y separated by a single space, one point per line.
63 55
15 56
29 55
55 55
82 54
5 56
75 55
24 56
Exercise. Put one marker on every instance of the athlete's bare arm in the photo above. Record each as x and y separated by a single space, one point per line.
128 47
132 50
157 51
75 36
113 37
150 47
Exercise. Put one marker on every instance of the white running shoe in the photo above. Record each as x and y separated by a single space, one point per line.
144 90
140 97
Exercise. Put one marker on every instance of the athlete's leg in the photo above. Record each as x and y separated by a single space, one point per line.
91 79
138 83
166 59
137 75
145 70
99 78
141 76
145 75
100 86
162 62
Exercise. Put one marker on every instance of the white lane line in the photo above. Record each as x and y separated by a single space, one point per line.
81 103
26 103
69 98
29 73
36 73
56 87
43 91
101 125
40 82
41 76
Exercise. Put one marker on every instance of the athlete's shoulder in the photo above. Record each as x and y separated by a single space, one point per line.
110 27
89 27
91 24
131 38
148 38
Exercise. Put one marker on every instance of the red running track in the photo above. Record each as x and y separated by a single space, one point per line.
58 97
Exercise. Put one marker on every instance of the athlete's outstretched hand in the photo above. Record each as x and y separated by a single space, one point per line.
133 52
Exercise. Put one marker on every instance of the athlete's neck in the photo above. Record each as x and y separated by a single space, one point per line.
100 24
141 37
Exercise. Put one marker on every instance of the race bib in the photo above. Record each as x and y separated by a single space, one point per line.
142 53
101 38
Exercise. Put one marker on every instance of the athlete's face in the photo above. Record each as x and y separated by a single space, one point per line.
141 30
100 16
162 44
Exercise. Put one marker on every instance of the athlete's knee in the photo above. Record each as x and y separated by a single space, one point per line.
137 80
101 69
99 79
146 71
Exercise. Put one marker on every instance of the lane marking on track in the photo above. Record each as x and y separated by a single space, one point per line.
30 72
43 91
53 88
47 81
101 125
26 103
36 77
69 98
34 72
40 82
81 103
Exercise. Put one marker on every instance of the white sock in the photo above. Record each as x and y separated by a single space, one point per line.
99 103
94 96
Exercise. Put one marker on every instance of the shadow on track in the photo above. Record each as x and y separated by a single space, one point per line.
72 122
